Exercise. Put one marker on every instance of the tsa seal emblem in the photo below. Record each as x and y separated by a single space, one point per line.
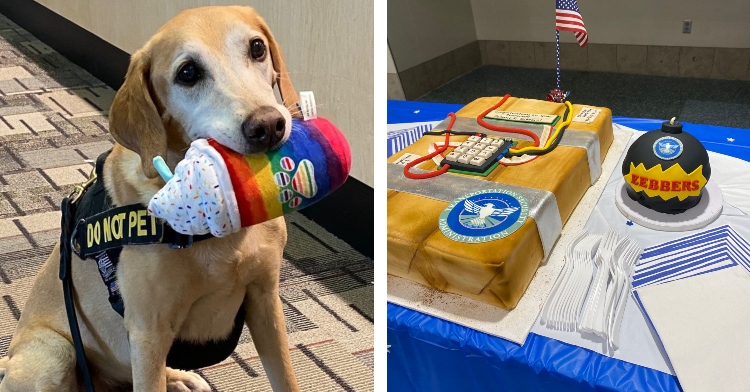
667 148
484 215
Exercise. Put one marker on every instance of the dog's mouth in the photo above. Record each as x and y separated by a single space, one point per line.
281 142
264 130
244 148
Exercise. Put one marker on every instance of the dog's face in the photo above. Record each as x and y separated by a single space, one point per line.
207 73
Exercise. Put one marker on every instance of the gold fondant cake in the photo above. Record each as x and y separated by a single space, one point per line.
483 236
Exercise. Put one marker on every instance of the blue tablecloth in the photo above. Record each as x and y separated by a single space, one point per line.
431 354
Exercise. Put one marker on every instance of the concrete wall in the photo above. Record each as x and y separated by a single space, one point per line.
636 36
431 42
328 45
391 64
395 91
420 30
721 24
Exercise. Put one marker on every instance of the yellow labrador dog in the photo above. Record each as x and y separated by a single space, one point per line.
209 72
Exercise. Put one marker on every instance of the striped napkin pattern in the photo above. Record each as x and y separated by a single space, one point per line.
400 139
693 255
695 293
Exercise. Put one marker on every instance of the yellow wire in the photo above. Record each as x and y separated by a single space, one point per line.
564 124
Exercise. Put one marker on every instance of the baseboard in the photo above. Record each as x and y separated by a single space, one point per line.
105 61
676 61
347 213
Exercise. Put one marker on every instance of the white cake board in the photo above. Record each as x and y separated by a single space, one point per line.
706 211
511 325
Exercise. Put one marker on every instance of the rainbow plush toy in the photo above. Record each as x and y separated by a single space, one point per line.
216 190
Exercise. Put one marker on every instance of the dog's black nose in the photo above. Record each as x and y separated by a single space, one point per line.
264 128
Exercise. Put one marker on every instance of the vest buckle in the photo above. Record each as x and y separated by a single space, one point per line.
79 190
181 241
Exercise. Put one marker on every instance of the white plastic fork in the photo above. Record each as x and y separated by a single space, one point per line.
603 257
592 297
560 312
566 307
628 264
613 287
600 316
584 269
566 289
583 258
559 288
622 253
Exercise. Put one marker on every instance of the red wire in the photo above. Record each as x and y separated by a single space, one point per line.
453 120
480 121
438 150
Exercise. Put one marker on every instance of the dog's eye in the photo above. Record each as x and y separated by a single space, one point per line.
258 49
188 74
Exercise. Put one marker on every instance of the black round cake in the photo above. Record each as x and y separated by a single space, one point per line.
666 169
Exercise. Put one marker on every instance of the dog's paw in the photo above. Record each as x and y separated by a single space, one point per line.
179 381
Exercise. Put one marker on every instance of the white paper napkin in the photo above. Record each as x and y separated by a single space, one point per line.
703 322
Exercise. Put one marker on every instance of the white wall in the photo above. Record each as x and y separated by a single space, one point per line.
721 23
420 30
328 45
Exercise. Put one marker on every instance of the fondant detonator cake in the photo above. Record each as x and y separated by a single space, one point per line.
666 169
483 233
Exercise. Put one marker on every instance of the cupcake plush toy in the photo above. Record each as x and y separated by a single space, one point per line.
219 191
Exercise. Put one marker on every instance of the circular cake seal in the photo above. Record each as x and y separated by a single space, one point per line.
484 216
667 148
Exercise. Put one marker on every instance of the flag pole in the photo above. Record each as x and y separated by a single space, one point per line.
557 53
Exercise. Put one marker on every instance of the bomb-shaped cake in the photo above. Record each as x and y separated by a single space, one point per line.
666 169
219 191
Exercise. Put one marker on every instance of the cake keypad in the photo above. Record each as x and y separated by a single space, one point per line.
477 154
452 156
485 154
476 161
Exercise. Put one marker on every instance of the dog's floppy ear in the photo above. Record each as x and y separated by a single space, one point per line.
288 93
134 120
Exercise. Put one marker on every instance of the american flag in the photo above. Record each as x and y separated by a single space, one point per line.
568 18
